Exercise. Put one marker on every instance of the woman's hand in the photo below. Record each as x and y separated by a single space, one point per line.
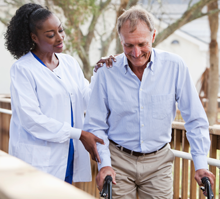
106 60
89 141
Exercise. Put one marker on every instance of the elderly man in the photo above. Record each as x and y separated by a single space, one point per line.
132 107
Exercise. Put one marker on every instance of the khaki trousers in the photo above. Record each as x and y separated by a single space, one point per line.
148 176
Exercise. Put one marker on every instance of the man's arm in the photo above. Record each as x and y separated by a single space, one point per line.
96 122
196 125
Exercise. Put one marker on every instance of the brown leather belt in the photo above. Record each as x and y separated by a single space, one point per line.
134 152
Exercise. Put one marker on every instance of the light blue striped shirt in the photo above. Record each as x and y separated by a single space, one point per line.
138 114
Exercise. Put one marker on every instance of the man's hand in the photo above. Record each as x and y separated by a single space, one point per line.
204 173
89 141
104 171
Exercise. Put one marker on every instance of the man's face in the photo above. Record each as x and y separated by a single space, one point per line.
137 45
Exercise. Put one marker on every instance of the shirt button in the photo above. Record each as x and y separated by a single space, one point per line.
142 125
142 107
141 141
140 89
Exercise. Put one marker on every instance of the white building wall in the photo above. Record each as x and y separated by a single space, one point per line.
6 62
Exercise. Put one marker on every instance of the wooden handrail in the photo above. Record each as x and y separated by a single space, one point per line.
7 100
18 180
213 130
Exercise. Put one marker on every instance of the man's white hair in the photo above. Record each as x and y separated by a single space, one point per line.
136 14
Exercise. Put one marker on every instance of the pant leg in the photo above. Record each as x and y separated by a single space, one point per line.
155 175
125 167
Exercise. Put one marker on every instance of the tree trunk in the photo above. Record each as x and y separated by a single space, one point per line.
213 71
119 48
87 69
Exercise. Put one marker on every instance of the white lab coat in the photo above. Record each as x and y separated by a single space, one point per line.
41 115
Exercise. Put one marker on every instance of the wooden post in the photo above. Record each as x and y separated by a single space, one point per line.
193 186
176 182
90 187
185 148
213 154
4 127
201 196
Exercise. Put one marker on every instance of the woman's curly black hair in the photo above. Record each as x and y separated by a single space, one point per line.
27 19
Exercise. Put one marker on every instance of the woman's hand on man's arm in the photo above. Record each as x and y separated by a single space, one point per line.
89 141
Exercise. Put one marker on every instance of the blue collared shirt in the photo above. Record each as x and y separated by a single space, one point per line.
138 114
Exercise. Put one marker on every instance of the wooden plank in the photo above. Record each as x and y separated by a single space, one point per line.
176 182
172 140
94 181
219 186
218 142
5 124
215 129
201 196
8 100
185 148
22 181
193 184
213 154
178 125
90 187
94 173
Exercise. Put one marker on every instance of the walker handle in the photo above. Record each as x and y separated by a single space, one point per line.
107 188
208 188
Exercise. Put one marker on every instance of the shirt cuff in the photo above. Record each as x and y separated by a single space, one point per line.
105 161
75 133
200 162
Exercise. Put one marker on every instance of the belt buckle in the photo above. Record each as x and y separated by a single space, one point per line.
121 148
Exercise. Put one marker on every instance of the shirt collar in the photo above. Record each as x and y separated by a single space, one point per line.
149 64
125 64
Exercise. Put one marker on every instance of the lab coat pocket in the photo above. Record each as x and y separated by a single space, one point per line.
36 156
41 156
24 152
162 106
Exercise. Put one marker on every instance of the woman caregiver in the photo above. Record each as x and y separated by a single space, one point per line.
48 97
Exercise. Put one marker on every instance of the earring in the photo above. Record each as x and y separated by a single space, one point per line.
33 45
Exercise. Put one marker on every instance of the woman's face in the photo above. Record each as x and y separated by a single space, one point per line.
50 37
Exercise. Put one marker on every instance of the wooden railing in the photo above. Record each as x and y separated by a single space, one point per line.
184 185
5 103
19 180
